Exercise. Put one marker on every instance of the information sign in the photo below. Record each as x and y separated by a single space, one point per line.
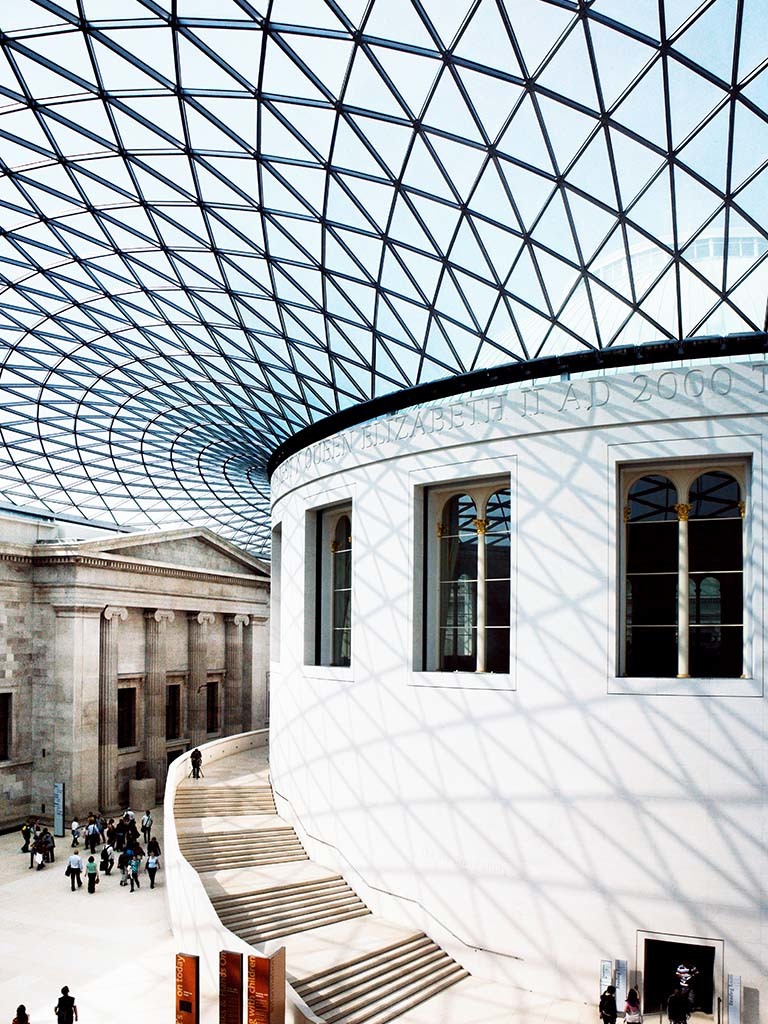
620 981
266 988
230 987
734 999
606 974
187 988
58 808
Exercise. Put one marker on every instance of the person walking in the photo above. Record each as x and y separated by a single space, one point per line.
146 825
92 836
75 828
65 1009
133 872
22 1017
153 863
92 874
632 1014
153 847
608 1009
75 870
107 859
26 834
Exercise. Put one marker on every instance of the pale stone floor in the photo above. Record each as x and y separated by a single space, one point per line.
116 951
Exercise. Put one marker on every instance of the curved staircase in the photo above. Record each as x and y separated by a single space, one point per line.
348 965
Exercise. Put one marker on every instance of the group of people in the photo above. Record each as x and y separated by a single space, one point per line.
38 842
121 845
120 842
65 1010
680 1003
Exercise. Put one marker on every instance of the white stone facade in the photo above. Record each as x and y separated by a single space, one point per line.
538 820
83 620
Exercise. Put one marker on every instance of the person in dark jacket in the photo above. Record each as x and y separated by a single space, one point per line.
608 1011
678 1007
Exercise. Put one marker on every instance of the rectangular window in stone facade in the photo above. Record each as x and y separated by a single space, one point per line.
6 707
173 712
212 707
126 716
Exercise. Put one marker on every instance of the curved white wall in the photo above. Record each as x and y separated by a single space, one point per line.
552 815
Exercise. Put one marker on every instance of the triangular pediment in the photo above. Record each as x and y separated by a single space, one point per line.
196 548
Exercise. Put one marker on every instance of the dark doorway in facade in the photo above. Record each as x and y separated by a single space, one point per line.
660 978
171 755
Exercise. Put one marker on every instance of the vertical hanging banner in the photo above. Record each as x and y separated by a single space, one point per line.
734 999
59 789
230 987
620 981
187 989
266 988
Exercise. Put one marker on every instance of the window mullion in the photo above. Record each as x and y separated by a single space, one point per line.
683 604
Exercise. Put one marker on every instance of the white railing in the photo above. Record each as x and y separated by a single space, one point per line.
195 924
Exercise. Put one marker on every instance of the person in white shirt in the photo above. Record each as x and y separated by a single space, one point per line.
75 832
75 868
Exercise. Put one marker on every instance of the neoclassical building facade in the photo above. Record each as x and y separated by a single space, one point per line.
118 653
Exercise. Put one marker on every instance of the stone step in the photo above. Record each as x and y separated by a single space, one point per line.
366 960
310 923
271 917
407 1001
273 892
268 906
423 956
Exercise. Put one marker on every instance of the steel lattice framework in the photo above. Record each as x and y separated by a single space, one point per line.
223 221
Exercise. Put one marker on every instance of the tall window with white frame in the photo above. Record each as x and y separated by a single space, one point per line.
332 589
471 594
683 594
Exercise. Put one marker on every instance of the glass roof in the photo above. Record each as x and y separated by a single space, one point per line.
222 221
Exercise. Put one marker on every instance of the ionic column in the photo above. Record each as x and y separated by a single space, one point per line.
197 640
155 666
233 684
108 796
683 606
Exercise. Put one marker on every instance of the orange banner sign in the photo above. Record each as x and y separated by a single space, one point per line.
266 988
187 989
230 987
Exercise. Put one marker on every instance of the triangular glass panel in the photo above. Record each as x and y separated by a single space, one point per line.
707 152
750 297
374 197
705 253
466 251
448 112
449 301
351 153
485 41
523 139
653 211
342 211
553 229
366 250
537 28
745 247
446 19
366 88
697 300
462 163
283 77
403 25
750 143
395 280
41 81
240 49
422 172
577 317
391 141
592 223
328 59
751 200
660 304
752 39
68 50
571 63
492 98
425 271
276 195
635 165
412 74
691 98
612 313
441 350
677 13
559 278
717 22
199 71
694 205
523 282
480 298
619 58
530 191
642 112
117 72
501 246
568 130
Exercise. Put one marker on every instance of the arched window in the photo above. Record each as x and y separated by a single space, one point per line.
684 567
341 592
470 630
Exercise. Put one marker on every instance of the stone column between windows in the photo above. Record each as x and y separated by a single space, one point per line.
197 640
155 662
233 683
683 606
108 664
480 526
